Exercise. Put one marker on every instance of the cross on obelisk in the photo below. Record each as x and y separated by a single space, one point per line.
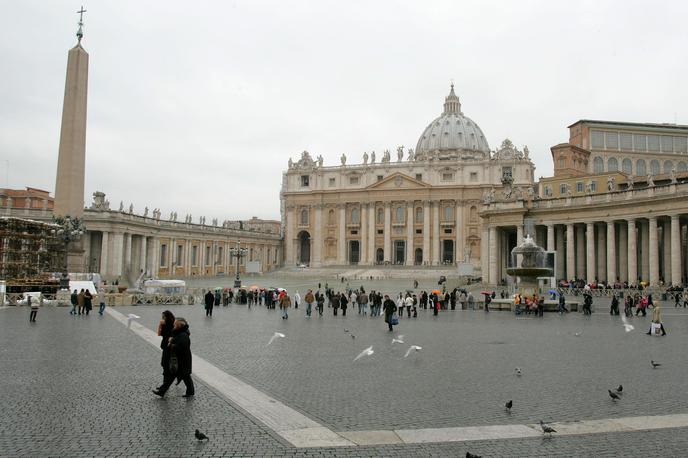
80 32
81 13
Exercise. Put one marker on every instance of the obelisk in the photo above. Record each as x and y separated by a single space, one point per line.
69 186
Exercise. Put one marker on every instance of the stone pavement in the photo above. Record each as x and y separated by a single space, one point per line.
79 386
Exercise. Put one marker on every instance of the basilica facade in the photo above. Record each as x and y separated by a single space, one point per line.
404 207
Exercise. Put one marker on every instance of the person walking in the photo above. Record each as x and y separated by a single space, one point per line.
285 303
309 302
562 304
344 303
335 299
297 299
165 329
75 302
614 308
209 299
81 300
470 300
33 305
408 302
88 301
389 308
657 319
320 301
180 359
101 300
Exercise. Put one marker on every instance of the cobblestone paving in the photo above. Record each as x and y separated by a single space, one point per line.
79 386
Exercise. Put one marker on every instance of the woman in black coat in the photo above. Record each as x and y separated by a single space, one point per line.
165 328
180 351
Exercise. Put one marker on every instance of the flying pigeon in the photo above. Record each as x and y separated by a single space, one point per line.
131 317
578 334
367 352
399 340
546 428
470 455
654 364
411 348
346 330
353 336
627 326
518 371
200 436
508 405
275 336
619 389
613 395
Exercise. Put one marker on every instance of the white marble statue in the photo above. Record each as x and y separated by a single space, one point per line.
131 209
372 157
630 182
650 181
121 206
400 153
145 212
343 159
611 184
291 164
320 160
672 175
386 156
365 158
411 156
526 153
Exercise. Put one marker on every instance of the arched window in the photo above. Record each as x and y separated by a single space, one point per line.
474 214
640 167
598 165
419 214
681 167
355 217
654 167
400 214
380 216
668 165
330 217
304 216
612 165
448 213
627 166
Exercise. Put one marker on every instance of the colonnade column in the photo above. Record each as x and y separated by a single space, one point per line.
289 235
426 232
127 251
436 233
632 253
104 255
117 248
317 237
484 258
623 252
341 240
372 233
570 252
676 274
493 255
550 237
409 233
666 252
561 253
388 232
654 252
580 252
611 252
363 255
601 254
458 230
590 252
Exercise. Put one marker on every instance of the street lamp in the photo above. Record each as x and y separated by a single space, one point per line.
69 230
238 253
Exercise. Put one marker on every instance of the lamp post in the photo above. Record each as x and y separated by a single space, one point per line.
238 253
69 230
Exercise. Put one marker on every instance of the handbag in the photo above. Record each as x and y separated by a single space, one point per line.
656 329
174 364
395 319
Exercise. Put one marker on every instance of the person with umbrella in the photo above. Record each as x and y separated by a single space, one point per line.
488 299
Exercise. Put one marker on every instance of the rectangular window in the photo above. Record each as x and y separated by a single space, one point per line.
597 139
548 191
562 189
419 176
447 231
380 232
305 179
354 232
653 142
506 172
667 144
474 176
447 176
680 144
331 182
380 177
353 180
593 186
194 255
562 163
626 141
611 140
579 186
163 255
639 143
219 256
207 256
180 254
419 231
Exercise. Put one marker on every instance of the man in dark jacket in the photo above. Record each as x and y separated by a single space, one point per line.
209 302
180 350
389 307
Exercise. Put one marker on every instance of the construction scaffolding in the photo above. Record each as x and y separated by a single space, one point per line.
30 251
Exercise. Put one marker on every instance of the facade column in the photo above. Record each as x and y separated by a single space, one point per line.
117 251
316 260
341 240
409 233
493 246
363 254
142 254
561 253
388 233
590 253
601 254
623 252
666 252
426 233
580 252
654 251
550 237
289 235
372 233
484 258
127 252
632 253
570 252
435 233
104 255
676 274
611 253
460 242
644 257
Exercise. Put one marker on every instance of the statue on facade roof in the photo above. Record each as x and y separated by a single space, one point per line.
320 160
650 181
630 182
400 153
365 158
145 212
343 159
526 153
121 206
672 175
290 164
131 209
611 184
386 156
411 155
372 157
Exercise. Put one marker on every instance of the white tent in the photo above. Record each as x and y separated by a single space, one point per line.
164 286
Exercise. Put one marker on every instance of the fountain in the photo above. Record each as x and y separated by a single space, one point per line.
528 263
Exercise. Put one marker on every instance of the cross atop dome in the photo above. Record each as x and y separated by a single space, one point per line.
452 105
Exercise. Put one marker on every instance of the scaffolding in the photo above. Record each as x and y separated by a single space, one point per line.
29 252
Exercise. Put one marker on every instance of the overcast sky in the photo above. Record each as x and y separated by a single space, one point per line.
197 106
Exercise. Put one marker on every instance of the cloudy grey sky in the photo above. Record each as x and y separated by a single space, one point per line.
197 106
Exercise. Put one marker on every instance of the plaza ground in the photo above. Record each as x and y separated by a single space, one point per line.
80 386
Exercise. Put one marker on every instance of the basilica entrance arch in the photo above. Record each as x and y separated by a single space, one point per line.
399 252
304 245
354 252
418 256
448 251
379 256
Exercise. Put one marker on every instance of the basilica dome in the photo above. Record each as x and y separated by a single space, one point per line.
452 135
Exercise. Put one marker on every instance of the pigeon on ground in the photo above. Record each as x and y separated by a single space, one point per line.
275 336
518 371
130 318
654 364
619 389
200 436
628 327
346 330
613 395
509 404
546 428
398 340
470 455
367 352
411 348
353 336
578 334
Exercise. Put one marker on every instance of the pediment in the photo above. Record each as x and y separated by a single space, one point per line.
398 181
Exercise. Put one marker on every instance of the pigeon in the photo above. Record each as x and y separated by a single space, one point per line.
619 389
508 405
654 364
399 340
411 348
353 336
470 455
367 352
578 334
200 436
518 371
613 395
275 336
546 428
346 330
627 326
130 318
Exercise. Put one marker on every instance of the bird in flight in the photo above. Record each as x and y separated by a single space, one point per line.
613 395
654 364
518 371
398 339
619 389
508 405
275 336
547 429
411 348
367 352
200 436
628 327
470 455
130 318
